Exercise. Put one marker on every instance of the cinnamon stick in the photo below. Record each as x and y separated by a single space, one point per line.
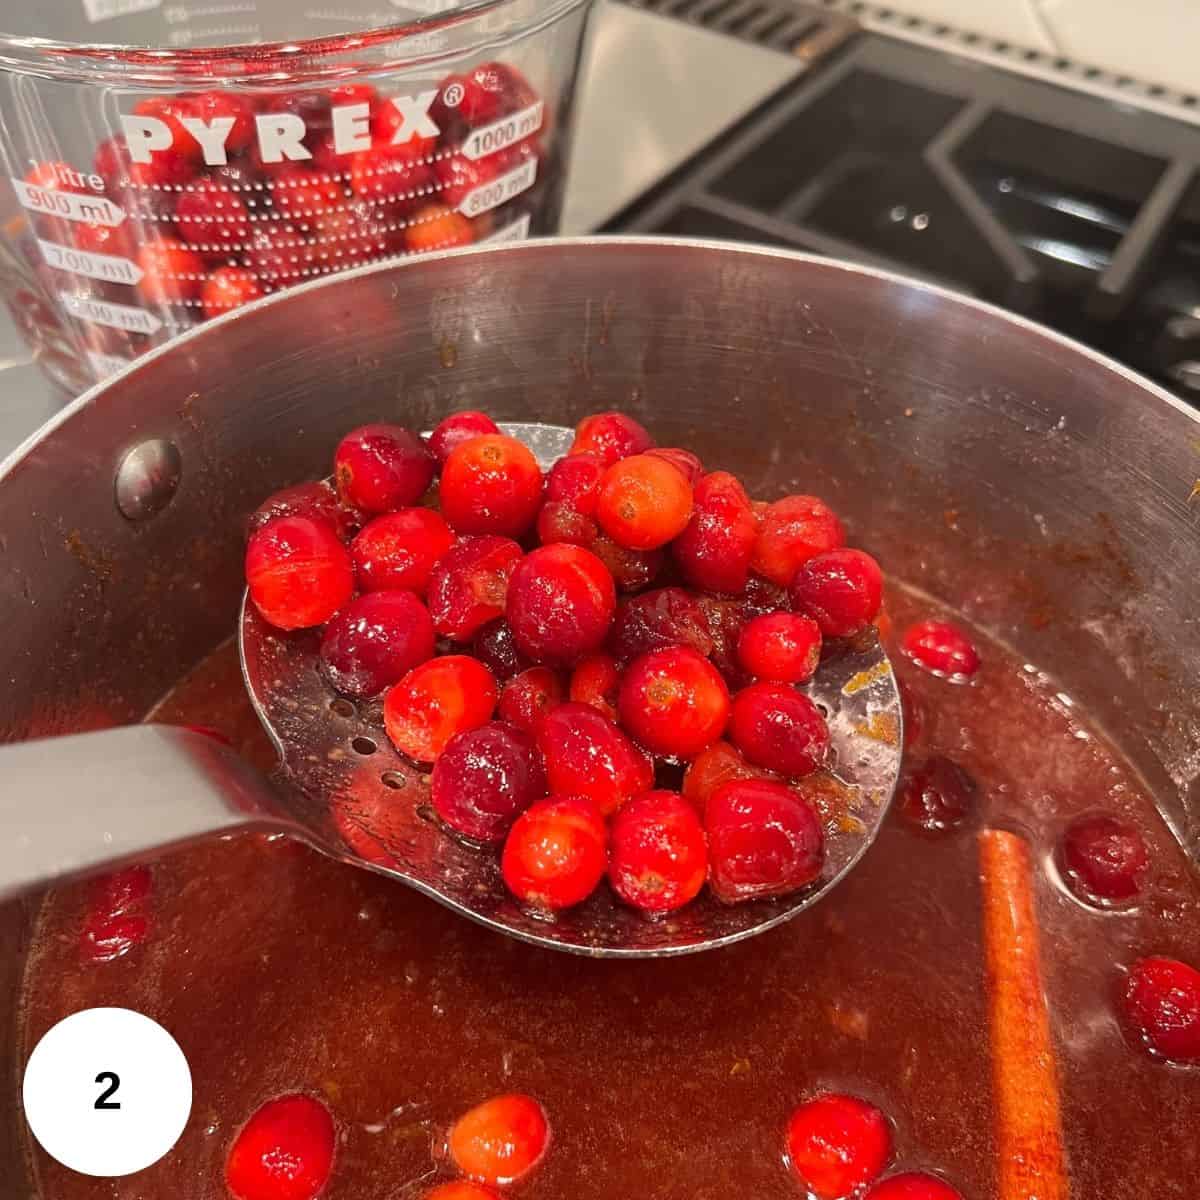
1031 1163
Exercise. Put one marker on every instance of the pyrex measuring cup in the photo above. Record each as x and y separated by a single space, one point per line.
212 151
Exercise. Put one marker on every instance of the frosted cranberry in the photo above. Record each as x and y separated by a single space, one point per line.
228 288
1102 859
303 195
595 681
714 551
457 428
781 729
170 110
317 501
496 648
561 601
469 583
284 1152
485 778
643 502
936 795
375 641
278 255
387 121
212 216
164 171
631 570
381 467
658 857
435 701
172 272
556 852
587 755
491 484
298 572
437 227
105 239
781 647
400 550
684 461
712 768
1161 1000
209 106
837 1145
575 481
526 698
559 522
942 649
500 1140
913 1185
791 531
674 702
461 1189
842 590
659 618
458 175
611 436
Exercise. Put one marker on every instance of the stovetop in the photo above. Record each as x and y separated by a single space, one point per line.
1062 205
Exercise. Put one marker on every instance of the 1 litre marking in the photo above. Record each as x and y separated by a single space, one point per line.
499 190
94 210
108 267
508 130
105 312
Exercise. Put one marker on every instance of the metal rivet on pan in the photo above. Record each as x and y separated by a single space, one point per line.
147 479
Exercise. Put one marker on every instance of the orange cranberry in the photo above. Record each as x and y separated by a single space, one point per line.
836 1145
781 647
228 288
284 1152
298 572
555 855
674 702
436 227
595 681
658 856
713 767
435 701
644 502
491 484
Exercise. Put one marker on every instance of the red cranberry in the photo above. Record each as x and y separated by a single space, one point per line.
936 795
435 701
611 436
1102 859
1161 999
587 755
228 288
631 570
842 590
674 702
942 649
556 853
170 110
913 1185
392 174
303 195
117 920
400 550
791 531
375 641
469 583
496 648
209 106
316 501
485 779
491 484
165 171
714 551
763 840
656 619
575 481
298 572
561 601
779 728
172 273
122 891
837 1145
284 1152
105 239
212 216
458 175
684 461
780 647
278 255
643 502
484 93
559 522
658 857
500 1140
387 121
457 428
714 767
461 1189
526 698
595 682
382 467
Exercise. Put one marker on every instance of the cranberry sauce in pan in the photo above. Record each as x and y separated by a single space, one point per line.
281 972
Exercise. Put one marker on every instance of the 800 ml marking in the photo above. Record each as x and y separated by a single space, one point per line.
108 267
505 132
499 190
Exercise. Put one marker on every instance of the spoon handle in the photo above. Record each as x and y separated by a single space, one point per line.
73 804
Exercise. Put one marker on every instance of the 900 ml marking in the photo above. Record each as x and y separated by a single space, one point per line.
72 206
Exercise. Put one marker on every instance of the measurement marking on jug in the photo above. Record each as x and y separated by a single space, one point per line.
108 267
490 138
105 312
105 10
516 232
106 364
501 189
94 210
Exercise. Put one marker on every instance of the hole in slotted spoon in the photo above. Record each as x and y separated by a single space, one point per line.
392 779
343 708
364 745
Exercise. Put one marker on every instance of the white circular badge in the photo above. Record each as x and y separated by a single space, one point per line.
107 1091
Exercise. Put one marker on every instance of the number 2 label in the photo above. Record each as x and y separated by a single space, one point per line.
104 1099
